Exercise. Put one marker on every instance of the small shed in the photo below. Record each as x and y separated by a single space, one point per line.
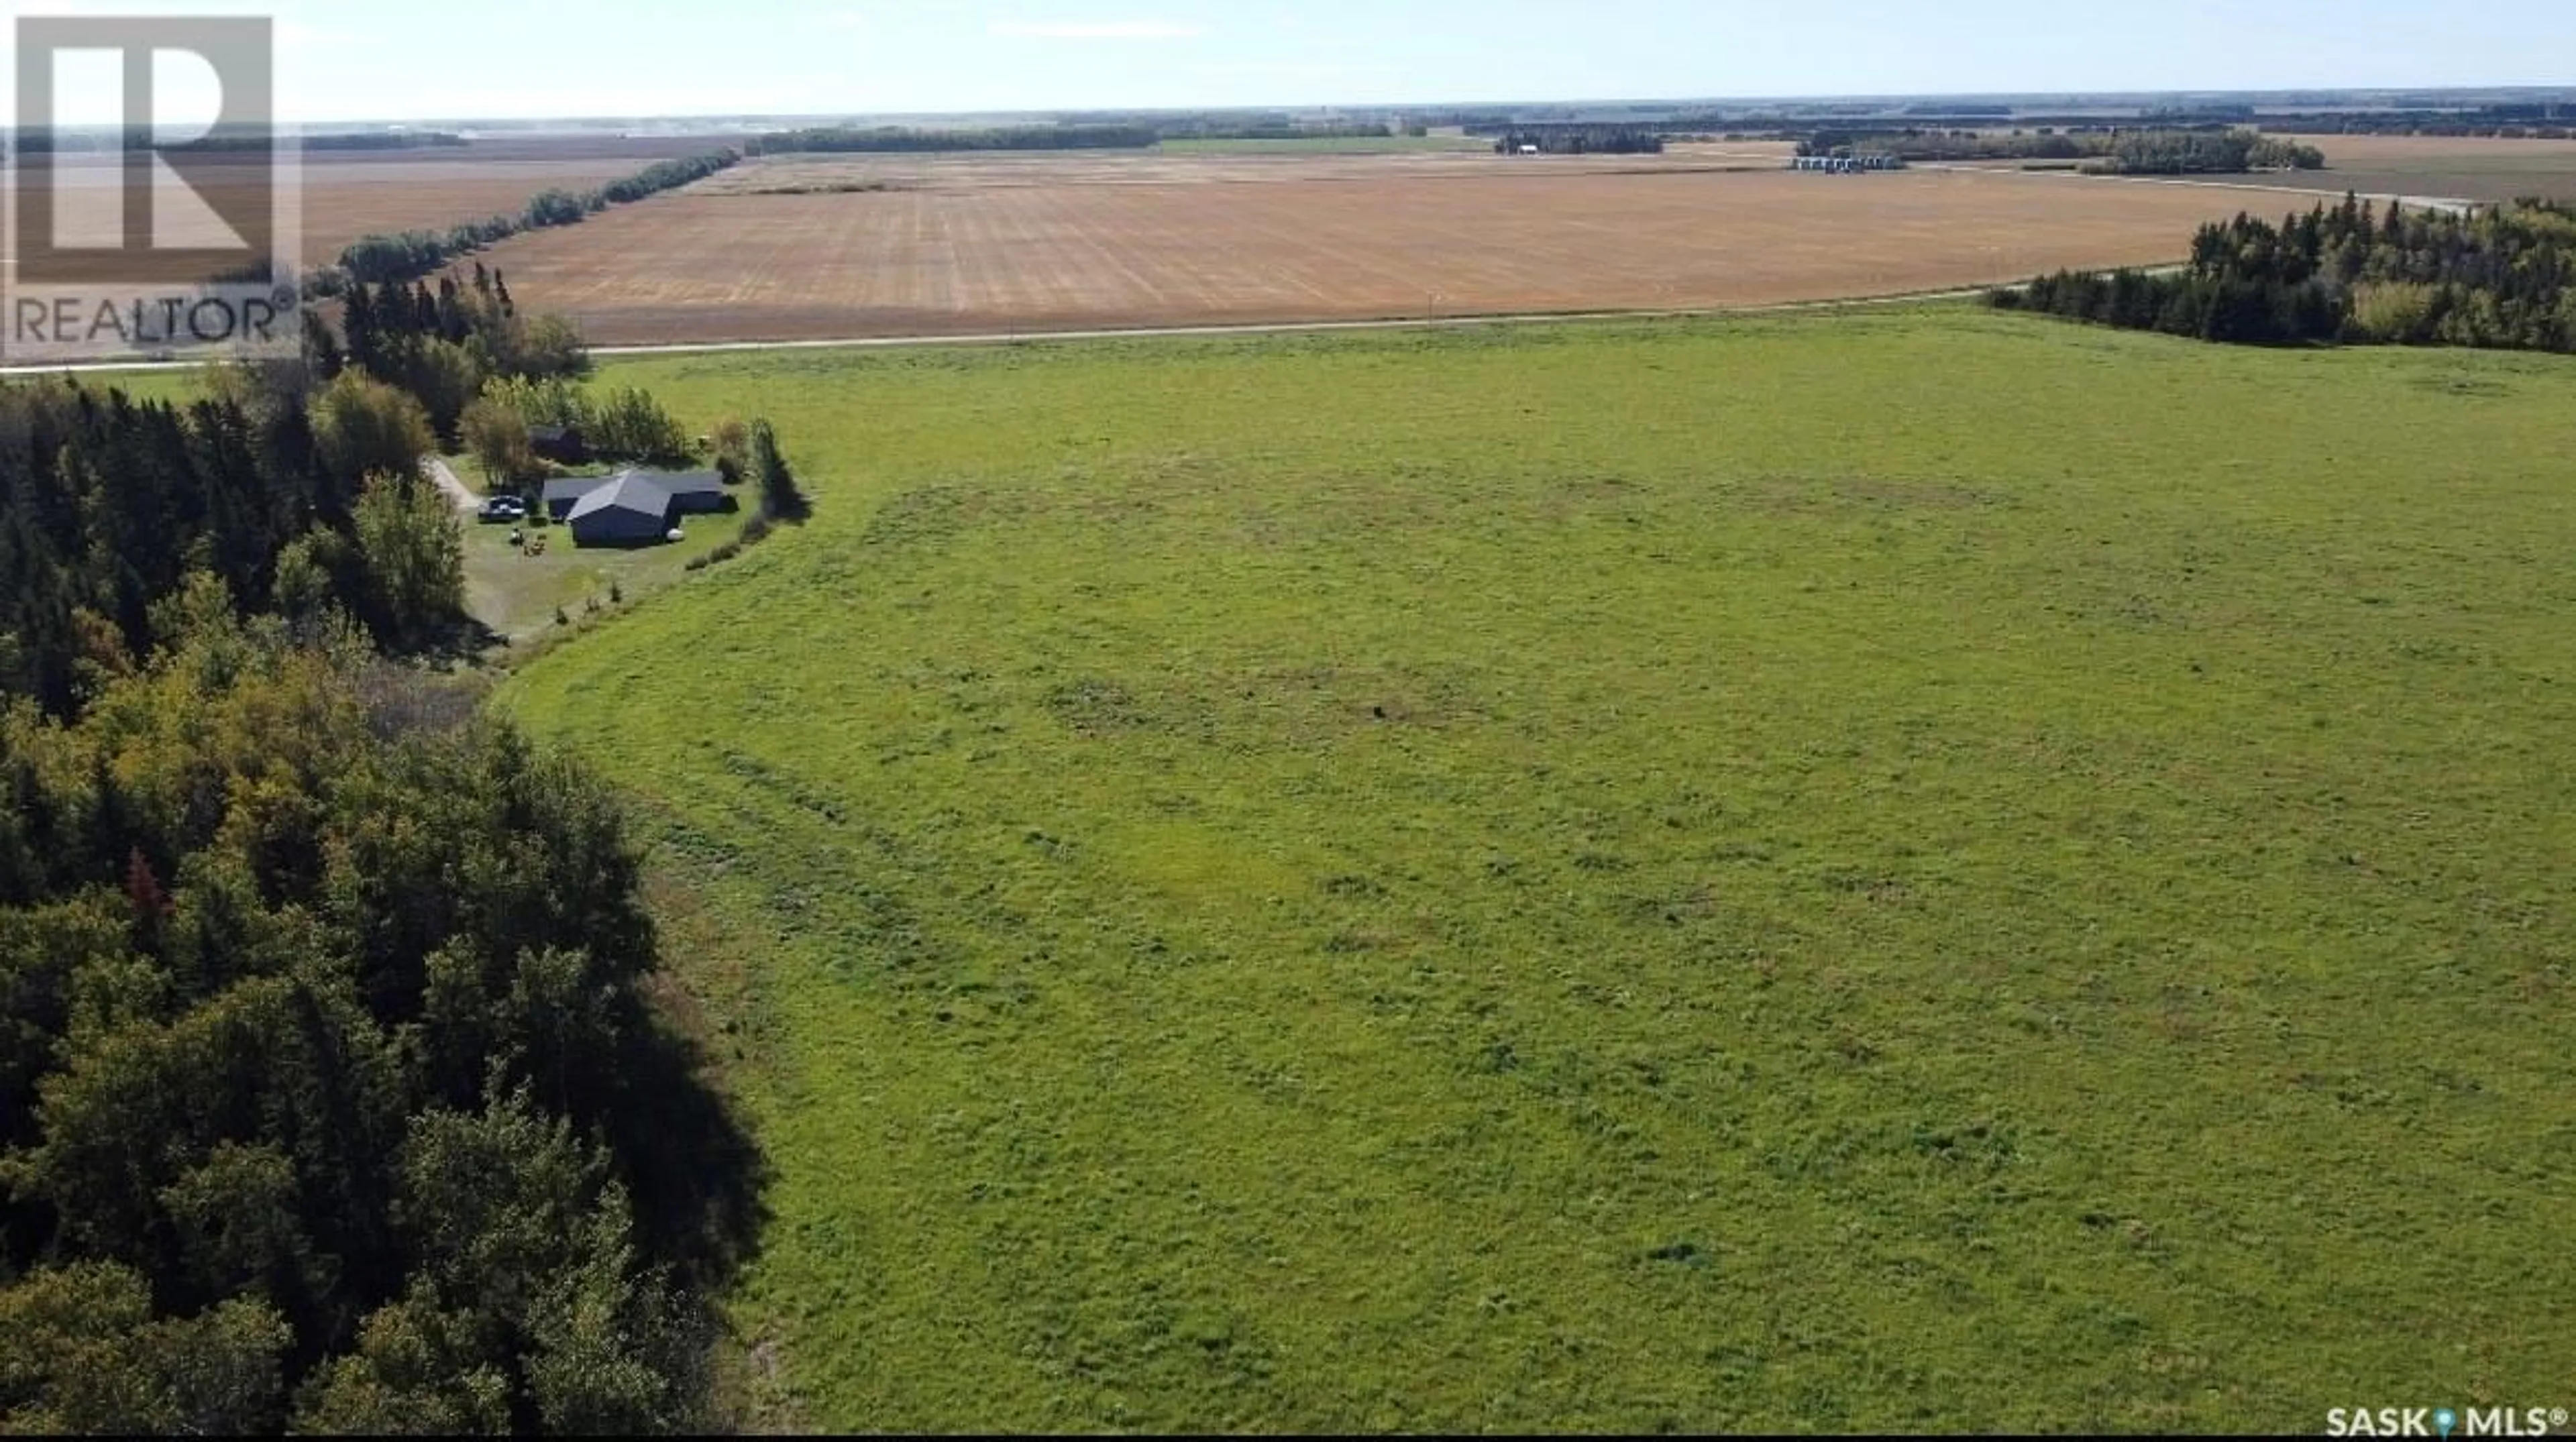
628 511
562 445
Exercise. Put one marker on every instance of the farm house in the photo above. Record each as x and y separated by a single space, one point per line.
692 493
629 511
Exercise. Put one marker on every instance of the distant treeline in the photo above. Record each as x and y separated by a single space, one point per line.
2207 151
2189 115
1336 131
411 254
386 140
2503 279
1789 126
1474 122
2195 152
1925 144
2417 125
2530 120
898 139
1580 140
42 142
2536 120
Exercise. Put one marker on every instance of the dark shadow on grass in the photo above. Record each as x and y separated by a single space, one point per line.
459 645
698 1177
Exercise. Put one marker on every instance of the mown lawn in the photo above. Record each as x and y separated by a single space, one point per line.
1901 870
519 595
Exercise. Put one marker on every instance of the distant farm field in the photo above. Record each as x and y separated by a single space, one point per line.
1332 145
1079 242
2441 167
347 194
1916 870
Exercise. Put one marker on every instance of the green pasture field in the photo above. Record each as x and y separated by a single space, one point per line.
1895 870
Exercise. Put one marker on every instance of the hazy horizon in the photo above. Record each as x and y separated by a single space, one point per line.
591 59
1448 103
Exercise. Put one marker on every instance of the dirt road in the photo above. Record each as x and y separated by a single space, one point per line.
457 491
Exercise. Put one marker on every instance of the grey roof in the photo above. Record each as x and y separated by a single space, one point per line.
573 488
676 483
629 492
685 483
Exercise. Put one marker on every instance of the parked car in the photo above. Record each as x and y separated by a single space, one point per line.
503 508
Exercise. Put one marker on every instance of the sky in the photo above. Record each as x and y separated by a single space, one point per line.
467 59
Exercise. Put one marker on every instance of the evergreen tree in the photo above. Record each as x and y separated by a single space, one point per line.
781 498
328 1081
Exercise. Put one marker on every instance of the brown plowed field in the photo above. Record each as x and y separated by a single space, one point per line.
347 194
1162 241
770 175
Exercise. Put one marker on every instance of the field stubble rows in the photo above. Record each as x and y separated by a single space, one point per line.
961 259
346 195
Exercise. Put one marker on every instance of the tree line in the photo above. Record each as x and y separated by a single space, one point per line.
2500 278
246 140
624 423
330 1096
2105 151
114 504
413 254
442 345
2417 125
260 140
1915 143
2201 152
2516 120
1580 140
1277 130
899 139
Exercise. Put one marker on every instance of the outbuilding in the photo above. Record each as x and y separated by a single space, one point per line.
692 493
630 510
565 492
562 445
